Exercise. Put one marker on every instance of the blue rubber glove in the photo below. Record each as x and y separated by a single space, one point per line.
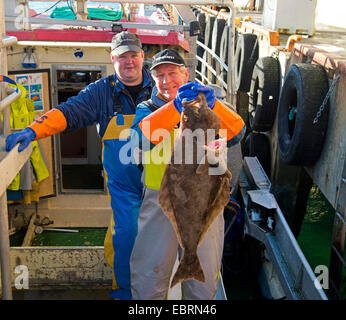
189 91
23 137
208 92
184 93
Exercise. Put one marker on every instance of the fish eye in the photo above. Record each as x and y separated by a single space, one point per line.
186 118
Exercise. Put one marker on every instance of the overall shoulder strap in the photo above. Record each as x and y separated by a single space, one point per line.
118 107
149 103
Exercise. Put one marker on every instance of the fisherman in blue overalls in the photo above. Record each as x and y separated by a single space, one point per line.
111 103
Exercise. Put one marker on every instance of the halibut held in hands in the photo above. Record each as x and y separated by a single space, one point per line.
196 183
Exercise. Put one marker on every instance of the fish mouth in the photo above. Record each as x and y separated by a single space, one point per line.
215 145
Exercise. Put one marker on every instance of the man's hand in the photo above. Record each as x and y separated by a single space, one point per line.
23 137
184 93
189 91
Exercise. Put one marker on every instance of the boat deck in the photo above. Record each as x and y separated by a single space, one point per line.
330 39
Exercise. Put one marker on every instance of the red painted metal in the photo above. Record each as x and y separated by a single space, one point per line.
170 38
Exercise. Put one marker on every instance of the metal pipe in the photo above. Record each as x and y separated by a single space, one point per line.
61 230
75 44
102 24
5 250
231 23
213 71
213 54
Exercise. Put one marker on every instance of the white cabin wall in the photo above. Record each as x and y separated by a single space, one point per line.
46 56
331 13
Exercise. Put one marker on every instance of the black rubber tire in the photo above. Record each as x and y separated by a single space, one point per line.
201 17
246 55
219 26
258 145
300 140
201 20
208 34
264 94
224 48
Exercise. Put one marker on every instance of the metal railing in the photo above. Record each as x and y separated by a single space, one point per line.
222 66
227 83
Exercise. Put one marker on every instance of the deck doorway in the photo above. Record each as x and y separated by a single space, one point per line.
79 152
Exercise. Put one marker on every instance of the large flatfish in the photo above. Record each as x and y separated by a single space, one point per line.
196 183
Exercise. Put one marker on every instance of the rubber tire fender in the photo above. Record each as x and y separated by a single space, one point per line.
300 140
219 26
224 48
200 37
202 21
208 34
264 94
246 55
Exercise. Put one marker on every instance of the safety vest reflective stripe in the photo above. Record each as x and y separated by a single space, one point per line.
156 160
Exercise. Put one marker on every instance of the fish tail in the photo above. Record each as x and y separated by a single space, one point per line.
189 268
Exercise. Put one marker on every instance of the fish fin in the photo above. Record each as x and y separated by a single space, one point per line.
187 270
220 201
164 196
167 207
228 174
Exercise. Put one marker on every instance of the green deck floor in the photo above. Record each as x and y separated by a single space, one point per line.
84 237
315 237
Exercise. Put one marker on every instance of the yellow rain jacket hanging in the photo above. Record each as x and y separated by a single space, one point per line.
22 114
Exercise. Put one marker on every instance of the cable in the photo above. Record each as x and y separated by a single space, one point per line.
70 5
47 9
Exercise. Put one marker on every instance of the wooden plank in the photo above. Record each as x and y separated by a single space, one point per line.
11 163
29 236
62 265
5 283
